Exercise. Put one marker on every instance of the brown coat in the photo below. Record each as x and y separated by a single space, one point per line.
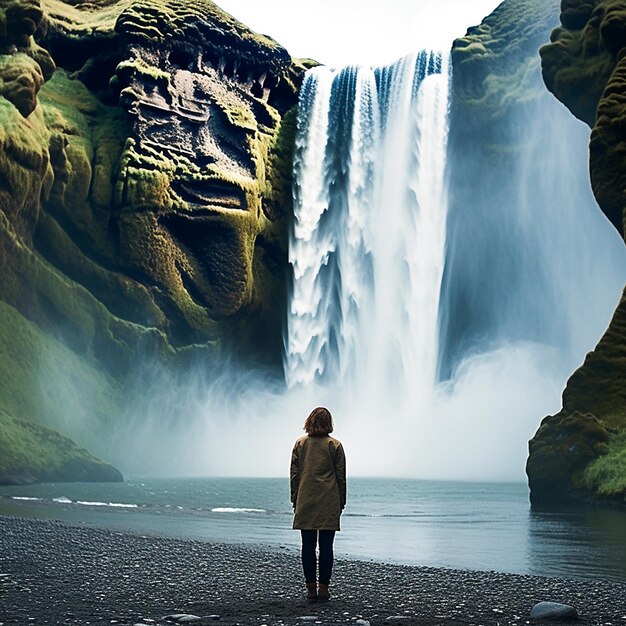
318 483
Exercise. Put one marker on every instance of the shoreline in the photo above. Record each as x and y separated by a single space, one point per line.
53 572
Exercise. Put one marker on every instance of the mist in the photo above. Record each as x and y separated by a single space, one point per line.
473 428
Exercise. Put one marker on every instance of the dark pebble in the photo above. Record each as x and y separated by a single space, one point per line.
553 610
64 574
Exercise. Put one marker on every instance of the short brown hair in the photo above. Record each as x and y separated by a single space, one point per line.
319 422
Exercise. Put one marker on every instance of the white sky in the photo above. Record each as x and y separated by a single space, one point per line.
369 32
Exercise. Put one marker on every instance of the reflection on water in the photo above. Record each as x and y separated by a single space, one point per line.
482 526
577 541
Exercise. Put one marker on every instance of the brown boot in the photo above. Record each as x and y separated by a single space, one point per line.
311 592
323 595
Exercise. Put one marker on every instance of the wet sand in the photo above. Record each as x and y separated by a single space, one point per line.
56 573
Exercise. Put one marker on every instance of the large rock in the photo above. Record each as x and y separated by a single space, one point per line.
578 453
553 611
144 201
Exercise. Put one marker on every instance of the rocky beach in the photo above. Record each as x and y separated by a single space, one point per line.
55 573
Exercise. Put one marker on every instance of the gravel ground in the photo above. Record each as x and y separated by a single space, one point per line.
56 573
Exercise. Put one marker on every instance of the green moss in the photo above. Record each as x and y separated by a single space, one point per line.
607 474
92 208
122 296
40 377
584 68
277 197
87 142
236 111
158 19
32 453
20 81
67 310
576 454
140 67
496 64
560 451
599 386
24 167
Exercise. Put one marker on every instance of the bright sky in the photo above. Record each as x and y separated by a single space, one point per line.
370 32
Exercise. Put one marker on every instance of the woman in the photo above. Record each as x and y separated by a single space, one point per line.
318 495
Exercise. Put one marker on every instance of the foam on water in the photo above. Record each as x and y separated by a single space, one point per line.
228 509
117 505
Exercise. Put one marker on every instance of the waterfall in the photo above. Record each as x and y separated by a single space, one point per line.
368 241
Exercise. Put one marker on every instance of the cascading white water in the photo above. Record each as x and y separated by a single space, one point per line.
531 276
369 234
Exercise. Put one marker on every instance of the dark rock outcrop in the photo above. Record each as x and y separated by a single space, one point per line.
579 454
144 197
583 67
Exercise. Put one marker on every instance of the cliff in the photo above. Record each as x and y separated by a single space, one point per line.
499 143
145 158
33 453
580 453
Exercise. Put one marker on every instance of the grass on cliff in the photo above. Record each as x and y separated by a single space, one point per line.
607 474
44 381
32 452
102 16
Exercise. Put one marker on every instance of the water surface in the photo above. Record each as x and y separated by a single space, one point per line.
483 526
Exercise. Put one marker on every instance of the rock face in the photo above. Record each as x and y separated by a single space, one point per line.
144 193
580 453
498 135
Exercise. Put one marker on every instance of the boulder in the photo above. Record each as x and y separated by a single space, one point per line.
553 611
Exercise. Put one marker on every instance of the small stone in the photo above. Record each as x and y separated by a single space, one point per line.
308 618
553 610
362 622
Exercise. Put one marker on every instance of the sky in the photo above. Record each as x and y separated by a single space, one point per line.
342 32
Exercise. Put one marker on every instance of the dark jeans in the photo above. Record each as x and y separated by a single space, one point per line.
310 538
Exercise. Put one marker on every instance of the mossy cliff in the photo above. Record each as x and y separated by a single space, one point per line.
580 453
495 66
145 158
497 120
33 453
